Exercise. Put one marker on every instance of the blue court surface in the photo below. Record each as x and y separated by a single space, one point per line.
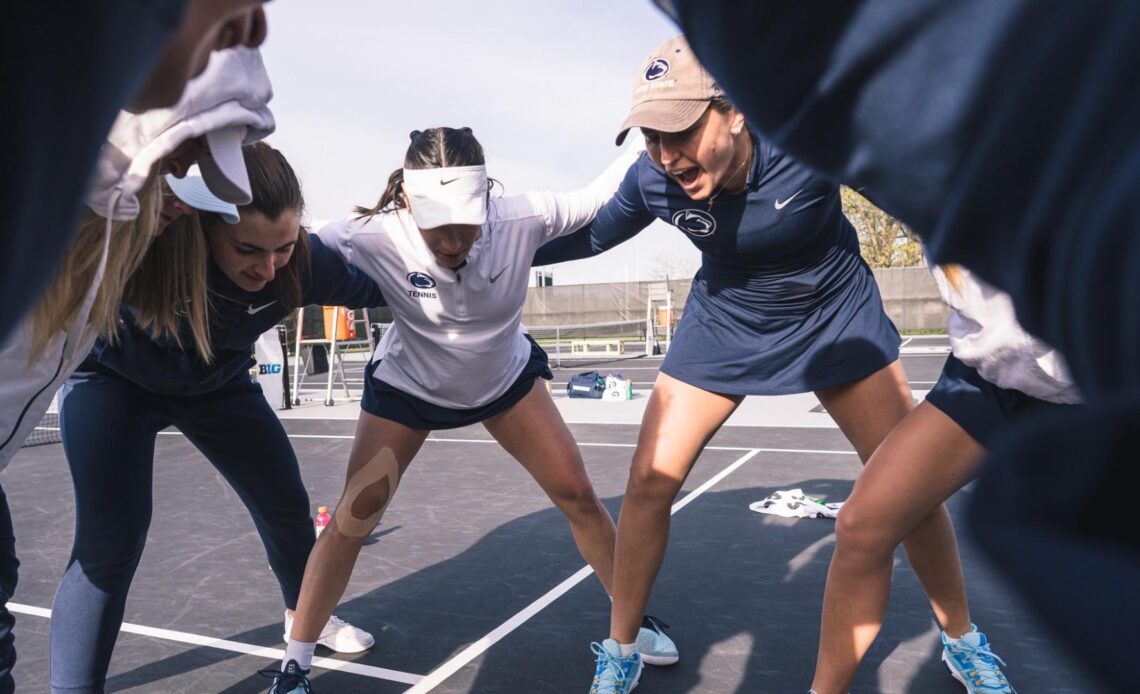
473 584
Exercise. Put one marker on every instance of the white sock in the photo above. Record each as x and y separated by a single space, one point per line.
301 652
627 649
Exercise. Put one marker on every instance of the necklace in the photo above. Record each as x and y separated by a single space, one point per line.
718 191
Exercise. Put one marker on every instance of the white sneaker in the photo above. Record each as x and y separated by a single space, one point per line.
338 635
654 645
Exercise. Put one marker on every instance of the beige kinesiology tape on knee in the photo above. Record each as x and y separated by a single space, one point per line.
382 466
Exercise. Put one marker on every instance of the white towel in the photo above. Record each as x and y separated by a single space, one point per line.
793 503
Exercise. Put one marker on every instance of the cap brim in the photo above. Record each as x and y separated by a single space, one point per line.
192 190
664 115
223 168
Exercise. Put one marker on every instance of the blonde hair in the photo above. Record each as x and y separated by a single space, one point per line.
65 295
168 290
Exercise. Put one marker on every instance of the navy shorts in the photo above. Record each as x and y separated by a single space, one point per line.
978 406
383 400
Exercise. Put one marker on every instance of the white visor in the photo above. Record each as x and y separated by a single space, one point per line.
223 168
192 190
451 195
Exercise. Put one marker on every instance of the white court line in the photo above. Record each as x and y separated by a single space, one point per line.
426 683
623 368
349 437
239 647
906 342
436 677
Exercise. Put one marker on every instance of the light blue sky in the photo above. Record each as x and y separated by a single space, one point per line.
543 83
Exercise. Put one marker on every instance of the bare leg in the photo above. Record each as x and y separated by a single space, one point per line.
924 460
331 561
678 422
866 411
534 433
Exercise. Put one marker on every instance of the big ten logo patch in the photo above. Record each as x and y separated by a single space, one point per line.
264 369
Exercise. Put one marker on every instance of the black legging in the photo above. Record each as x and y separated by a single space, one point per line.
8 573
109 427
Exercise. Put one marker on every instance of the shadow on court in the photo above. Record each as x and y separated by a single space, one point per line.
741 590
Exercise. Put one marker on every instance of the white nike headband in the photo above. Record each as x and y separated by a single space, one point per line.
450 195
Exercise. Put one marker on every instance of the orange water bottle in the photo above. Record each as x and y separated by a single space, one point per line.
322 519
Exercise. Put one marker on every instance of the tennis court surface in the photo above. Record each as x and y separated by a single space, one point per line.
472 582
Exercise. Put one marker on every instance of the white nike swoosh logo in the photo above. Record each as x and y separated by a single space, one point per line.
251 310
782 205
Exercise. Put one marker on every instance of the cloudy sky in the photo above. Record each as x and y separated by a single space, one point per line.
544 84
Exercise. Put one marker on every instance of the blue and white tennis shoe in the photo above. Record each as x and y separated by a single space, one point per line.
972 663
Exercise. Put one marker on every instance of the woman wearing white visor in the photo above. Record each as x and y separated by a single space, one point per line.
453 264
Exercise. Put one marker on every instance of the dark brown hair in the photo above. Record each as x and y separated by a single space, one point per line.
434 148
721 104
275 190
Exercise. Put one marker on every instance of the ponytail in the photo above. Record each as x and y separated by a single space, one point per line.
391 198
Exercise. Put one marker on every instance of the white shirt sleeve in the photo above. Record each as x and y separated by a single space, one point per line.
984 334
567 212
337 236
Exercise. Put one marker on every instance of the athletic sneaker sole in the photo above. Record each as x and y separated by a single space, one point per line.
659 660
330 643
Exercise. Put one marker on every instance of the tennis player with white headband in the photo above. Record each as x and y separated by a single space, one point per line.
453 263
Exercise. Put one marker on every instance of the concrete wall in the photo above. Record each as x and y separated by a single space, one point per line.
911 298
909 295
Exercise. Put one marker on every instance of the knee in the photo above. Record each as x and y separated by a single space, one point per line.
650 486
360 511
371 500
108 562
859 531
577 499
120 539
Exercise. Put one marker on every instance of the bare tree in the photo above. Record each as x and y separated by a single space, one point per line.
883 240
668 266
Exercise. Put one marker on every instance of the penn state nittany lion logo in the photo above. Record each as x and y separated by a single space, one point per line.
421 281
657 69
694 222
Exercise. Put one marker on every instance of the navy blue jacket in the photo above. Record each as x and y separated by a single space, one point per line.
237 319
788 216
68 70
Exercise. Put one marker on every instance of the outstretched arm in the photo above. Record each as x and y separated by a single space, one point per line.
566 212
332 281
619 220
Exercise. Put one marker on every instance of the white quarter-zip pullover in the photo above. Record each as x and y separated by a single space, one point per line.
457 339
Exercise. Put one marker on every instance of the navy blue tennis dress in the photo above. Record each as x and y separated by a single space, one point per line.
782 303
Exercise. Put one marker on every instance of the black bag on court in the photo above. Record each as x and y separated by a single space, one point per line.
588 384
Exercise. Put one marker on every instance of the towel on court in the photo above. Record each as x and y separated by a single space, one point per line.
793 503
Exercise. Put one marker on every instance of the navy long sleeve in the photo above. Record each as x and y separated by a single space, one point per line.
620 219
237 319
